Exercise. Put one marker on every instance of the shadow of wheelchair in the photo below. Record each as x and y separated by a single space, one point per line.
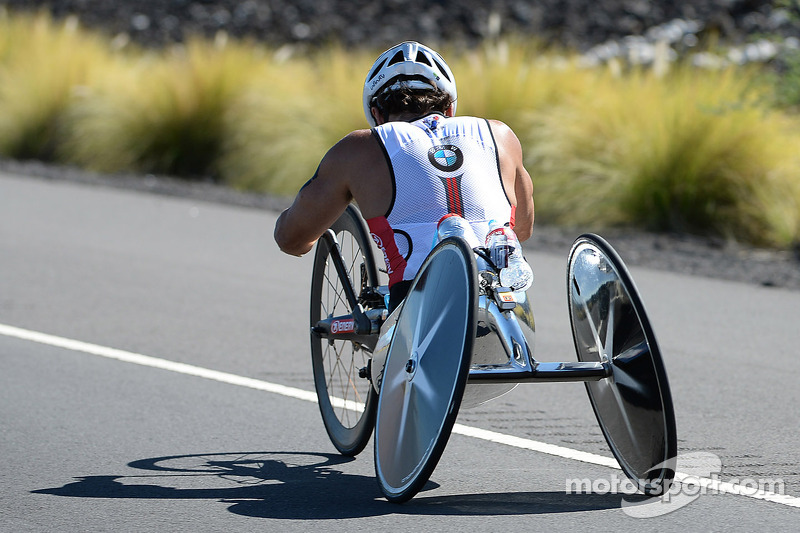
300 485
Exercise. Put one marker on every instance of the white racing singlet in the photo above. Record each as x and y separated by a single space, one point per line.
439 166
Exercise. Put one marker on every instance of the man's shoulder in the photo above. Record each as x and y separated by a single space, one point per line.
356 141
357 148
357 137
502 131
498 124
358 161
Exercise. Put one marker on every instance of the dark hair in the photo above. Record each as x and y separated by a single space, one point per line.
416 102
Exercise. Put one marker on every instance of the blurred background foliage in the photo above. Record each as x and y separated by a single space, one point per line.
666 146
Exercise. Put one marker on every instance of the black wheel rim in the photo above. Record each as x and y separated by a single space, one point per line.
634 405
347 401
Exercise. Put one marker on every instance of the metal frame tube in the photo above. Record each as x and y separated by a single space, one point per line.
542 372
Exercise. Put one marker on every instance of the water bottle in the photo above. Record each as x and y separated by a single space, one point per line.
518 275
506 253
497 244
454 225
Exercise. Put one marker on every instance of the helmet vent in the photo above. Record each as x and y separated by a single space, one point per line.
442 70
376 70
422 59
397 58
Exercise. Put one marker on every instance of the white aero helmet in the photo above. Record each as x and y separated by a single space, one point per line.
411 64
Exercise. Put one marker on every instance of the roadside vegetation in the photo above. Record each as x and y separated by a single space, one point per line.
673 148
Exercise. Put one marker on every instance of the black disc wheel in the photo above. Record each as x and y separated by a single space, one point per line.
633 405
426 370
347 401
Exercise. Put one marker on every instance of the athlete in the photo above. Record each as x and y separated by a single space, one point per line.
417 164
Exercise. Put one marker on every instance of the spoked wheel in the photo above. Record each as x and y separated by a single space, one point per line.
634 404
346 400
426 370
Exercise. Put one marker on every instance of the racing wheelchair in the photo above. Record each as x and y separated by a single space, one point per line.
458 339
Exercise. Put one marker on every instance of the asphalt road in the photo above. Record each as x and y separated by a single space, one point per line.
93 443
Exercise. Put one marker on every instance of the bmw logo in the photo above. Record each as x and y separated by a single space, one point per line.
446 158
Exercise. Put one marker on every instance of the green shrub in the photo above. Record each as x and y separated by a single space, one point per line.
506 80
696 151
293 113
692 150
787 83
42 64
164 113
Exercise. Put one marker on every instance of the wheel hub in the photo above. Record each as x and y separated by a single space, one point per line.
411 365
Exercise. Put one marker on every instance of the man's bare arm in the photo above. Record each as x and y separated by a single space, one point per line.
318 204
523 189
354 169
516 178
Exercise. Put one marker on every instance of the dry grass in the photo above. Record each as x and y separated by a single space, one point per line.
692 150
163 113
42 64
696 151
291 115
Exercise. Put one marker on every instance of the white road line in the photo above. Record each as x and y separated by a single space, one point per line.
536 446
460 429
155 362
